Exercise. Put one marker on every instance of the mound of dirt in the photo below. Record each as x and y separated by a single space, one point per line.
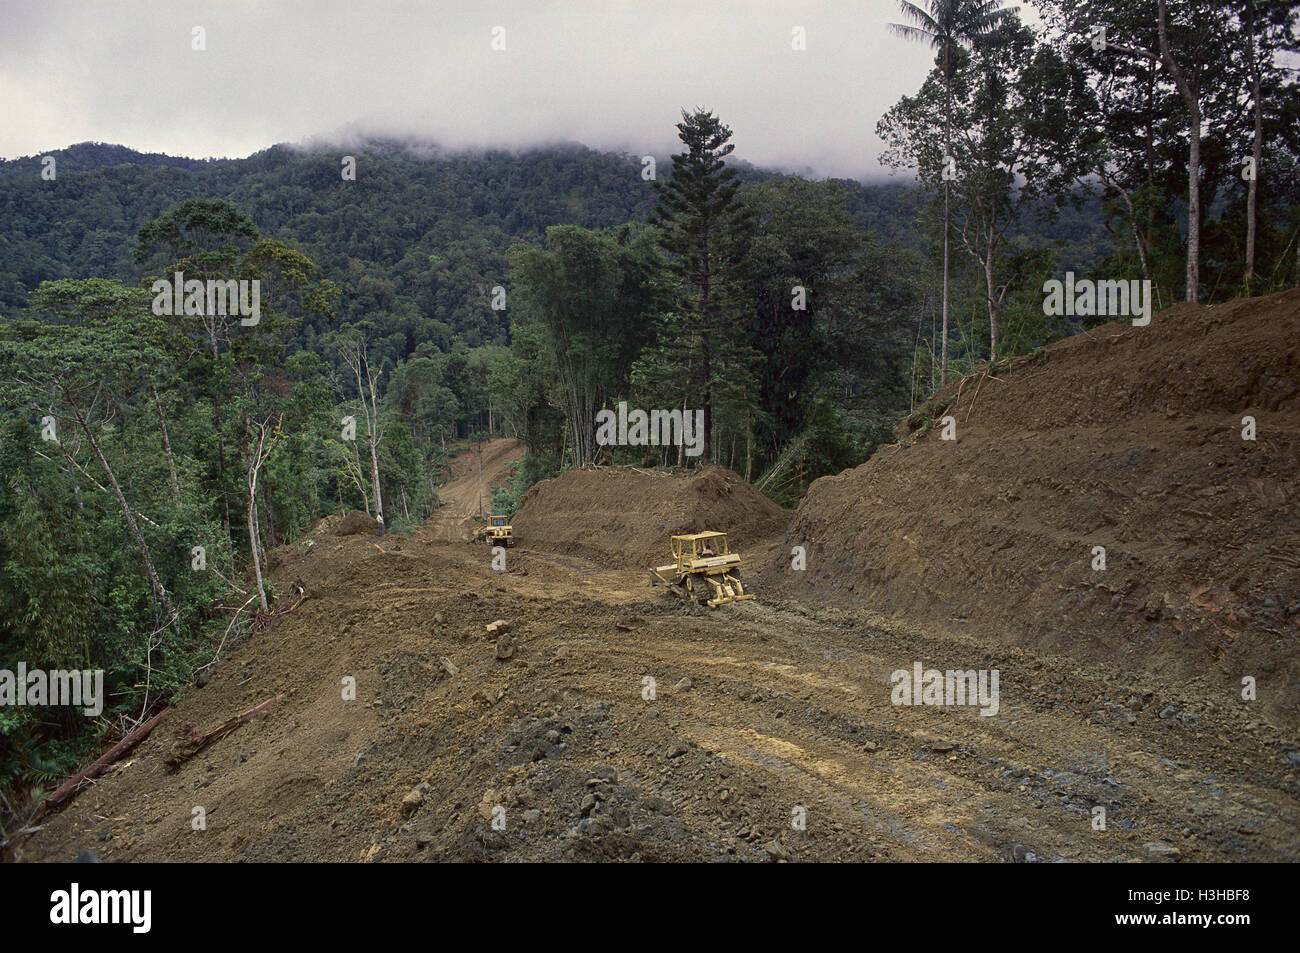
357 523
1127 438
624 515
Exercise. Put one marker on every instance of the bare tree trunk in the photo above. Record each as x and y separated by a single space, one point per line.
1193 159
132 526
943 360
256 459
1194 210
354 353
1256 155
994 309
374 476
252 538
95 769
947 151
1257 149
167 446
1137 234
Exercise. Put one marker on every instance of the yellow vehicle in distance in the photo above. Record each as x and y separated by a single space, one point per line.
704 570
498 532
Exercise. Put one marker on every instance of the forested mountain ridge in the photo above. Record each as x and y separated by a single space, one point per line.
416 237
410 236
425 221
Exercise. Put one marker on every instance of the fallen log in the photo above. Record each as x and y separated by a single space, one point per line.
190 741
95 769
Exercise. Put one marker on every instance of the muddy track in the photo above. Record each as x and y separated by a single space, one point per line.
761 712
467 494
801 707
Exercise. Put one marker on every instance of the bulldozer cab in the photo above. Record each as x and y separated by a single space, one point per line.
687 549
497 520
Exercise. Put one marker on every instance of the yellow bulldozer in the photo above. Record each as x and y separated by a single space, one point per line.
497 532
704 570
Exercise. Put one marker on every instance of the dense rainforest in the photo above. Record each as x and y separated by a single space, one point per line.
413 299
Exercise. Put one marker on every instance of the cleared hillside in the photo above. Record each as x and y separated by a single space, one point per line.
1127 438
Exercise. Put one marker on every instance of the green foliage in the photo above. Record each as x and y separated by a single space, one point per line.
589 295
831 374
704 229
507 499
1238 58
29 759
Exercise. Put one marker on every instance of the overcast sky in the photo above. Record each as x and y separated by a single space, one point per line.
607 73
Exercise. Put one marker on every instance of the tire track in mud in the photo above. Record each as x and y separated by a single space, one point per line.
785 706
1022 783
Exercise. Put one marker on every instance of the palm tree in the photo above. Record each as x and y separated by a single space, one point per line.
945 25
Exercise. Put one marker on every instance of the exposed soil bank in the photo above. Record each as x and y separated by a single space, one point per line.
1128 438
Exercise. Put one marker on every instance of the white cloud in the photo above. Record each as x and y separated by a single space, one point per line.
612 75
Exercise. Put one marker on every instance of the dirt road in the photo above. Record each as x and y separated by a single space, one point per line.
475 472
765 718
